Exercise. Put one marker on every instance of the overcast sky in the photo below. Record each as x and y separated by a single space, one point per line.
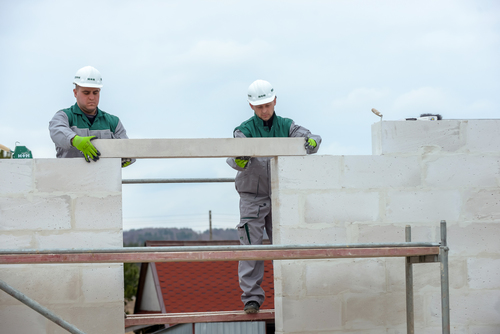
181 69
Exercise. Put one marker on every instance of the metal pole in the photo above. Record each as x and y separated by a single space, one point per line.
410 320
210 222
445 286
192 180
213 248
39 308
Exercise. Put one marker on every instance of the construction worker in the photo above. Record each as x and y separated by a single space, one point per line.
253 184
73 129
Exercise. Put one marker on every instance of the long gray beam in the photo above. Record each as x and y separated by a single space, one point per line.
200 147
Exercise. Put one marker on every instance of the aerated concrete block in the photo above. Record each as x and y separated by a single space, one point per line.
417 137
292 276
482 205
200 147
96 280
323 234
16 176
340 207
423 206
313 172
17 240
484 273
473 307
35 213
285 206
21 319
91 319
458 171
98 213
37 281
474 239
365 172
311 314
483 135
334 277
370 310
73 240
77 176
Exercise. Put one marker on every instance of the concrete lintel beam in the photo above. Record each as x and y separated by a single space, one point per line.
199 147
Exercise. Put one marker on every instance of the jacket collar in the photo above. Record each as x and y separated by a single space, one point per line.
77 110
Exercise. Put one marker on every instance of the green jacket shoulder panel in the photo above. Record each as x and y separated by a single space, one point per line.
103 120
254 127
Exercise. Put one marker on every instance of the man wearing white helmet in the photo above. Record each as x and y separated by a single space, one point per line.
73 129
253 184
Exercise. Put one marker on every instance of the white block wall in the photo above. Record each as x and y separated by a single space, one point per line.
427 172
62 203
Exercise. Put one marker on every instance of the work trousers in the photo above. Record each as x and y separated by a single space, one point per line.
255 216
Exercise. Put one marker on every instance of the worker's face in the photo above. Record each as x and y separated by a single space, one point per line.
264 111
87 99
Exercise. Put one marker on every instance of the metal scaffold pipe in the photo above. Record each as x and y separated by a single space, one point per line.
191 180
213 248
39 308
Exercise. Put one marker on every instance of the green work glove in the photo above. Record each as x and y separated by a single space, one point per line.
126 162
84 145
241 161
310 144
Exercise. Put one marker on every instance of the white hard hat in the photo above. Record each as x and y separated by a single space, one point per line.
260 92
88 76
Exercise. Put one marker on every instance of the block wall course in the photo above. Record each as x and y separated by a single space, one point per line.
442 176
321 234
366 172
474 171
100 239
77 176
35 213
41 205
436 137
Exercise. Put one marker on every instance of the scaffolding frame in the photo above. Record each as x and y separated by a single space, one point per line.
414 253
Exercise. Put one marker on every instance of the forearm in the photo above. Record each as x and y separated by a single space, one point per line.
231 161
60 131
300 131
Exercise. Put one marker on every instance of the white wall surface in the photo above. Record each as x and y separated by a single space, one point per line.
428 172
62 203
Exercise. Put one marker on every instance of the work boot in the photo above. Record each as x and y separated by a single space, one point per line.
251 307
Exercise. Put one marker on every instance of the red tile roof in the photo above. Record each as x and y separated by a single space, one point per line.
205 286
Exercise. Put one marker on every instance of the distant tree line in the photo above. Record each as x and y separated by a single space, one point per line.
138 237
